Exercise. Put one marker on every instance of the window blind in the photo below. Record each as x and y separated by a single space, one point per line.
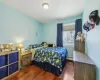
69 27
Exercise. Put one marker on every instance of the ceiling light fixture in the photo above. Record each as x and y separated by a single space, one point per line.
45 5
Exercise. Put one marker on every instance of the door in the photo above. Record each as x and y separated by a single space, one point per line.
89 72
79 71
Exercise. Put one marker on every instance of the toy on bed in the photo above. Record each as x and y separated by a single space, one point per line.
45 44
93 19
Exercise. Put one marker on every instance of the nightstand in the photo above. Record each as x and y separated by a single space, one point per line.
26 58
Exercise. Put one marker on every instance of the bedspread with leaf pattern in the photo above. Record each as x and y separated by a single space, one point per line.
54 56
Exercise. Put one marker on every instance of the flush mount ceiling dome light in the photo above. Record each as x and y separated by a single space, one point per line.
45 5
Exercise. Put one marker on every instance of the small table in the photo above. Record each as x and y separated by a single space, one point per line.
26 58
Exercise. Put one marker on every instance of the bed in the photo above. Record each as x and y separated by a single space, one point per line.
50 59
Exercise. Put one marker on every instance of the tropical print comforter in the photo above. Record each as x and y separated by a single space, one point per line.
54 56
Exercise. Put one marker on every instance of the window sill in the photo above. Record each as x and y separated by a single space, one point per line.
70 44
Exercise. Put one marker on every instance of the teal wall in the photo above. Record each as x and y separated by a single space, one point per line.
15 27
50 28
1 1
19 28
93 37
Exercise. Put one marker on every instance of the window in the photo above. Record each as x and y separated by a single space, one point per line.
68 34
68 37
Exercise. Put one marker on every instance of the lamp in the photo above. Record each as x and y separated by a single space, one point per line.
20 46
45 5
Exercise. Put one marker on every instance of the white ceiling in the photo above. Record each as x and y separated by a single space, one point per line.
59 9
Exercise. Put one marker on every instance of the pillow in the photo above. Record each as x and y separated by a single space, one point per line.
43 43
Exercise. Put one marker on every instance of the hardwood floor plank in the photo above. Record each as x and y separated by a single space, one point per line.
49 76
35 73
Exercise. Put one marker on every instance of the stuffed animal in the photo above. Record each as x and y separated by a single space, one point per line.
82 37
78 38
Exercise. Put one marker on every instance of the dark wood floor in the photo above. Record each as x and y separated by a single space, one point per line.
34 73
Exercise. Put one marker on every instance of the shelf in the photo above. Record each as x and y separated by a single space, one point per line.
13 63
13 57
3 66
3 60
9 64
3 72
13 68
7 52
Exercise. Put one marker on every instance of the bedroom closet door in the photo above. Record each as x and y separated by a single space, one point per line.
89 72
84 71
79 71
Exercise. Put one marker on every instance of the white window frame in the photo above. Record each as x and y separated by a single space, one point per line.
69 27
